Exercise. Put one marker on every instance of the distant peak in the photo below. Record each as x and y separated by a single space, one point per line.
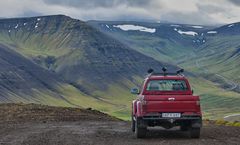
51 16
59 16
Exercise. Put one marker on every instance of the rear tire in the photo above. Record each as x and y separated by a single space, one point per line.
195 132
140 129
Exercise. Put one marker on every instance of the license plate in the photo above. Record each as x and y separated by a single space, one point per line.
171 115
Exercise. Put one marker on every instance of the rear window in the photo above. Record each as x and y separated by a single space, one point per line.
167 85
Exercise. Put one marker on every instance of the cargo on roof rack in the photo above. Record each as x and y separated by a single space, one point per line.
165 73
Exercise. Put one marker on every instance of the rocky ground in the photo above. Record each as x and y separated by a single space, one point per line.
43 125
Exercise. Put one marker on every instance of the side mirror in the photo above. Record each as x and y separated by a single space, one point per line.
192 91
135 91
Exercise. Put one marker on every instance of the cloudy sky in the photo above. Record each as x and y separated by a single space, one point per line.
178 11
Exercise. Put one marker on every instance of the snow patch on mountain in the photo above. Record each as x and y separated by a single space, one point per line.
38 19
212 32
16 26
198 27
127 27
231 25
192 33
107 26
173 25
36 26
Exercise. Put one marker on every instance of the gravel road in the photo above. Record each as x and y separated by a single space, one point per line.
98 129
108 133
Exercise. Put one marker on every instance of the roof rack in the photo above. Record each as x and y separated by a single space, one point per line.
165 73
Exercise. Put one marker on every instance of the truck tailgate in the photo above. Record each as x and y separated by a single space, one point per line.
176 103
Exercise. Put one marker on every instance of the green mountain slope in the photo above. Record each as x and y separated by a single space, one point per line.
219 57
23 81
100 67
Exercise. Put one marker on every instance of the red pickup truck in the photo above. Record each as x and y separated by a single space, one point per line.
166 100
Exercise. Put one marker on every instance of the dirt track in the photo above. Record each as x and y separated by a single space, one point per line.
101 131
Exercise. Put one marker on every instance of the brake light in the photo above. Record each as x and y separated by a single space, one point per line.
144 102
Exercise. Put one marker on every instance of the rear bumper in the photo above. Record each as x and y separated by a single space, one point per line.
183 116
193 120
180 118
190 121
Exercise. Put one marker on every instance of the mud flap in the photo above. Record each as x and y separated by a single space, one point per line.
141 123
140 128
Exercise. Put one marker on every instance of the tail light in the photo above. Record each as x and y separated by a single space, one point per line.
144 102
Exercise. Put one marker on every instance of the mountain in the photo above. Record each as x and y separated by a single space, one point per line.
95 64
165 41
69 47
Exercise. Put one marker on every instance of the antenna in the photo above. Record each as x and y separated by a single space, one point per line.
180 71
164 73
150 71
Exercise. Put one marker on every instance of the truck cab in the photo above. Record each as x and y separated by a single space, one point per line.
166 100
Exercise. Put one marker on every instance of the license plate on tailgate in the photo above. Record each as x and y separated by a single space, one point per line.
171 115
